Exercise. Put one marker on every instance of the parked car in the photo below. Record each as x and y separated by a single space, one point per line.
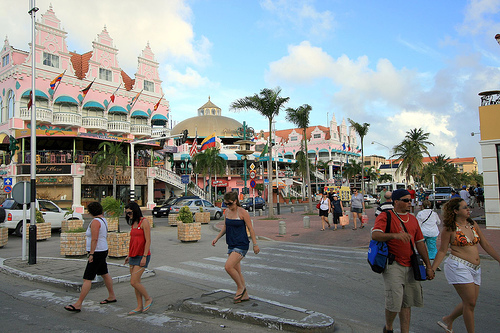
370 199
442 196
195 205
164 209
248 203
51 213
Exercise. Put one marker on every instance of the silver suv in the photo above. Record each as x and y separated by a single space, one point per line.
442 196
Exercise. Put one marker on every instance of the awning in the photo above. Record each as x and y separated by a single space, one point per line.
139 113
4 138
93 105
117 109
159 117
65 99
38 93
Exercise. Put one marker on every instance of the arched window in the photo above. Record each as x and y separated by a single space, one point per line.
10 104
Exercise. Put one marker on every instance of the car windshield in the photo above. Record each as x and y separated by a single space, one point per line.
170 201
247 201
443 190
8 204
184 202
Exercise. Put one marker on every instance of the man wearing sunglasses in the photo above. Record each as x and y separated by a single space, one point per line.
401 289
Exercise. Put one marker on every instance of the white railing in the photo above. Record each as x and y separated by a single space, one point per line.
157 132
99 123
67 119
174 179
140 129
43 115
294 193
117 126
318 175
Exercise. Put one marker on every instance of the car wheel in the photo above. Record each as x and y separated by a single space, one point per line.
2 214
250 208
217 215
19 229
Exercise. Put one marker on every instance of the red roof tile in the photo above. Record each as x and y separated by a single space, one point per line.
129 83
81 63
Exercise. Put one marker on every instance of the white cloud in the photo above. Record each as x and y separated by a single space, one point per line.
481 16
190 79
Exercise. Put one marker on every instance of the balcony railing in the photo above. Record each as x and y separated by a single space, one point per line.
65 157
67 119
43 115
140 129
115 126
95 123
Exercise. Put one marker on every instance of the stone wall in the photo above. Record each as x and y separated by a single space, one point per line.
4 236
71 225
73 243
189 232
118 244
43 231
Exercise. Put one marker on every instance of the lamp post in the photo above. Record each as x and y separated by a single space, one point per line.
186 170
245 150
390 161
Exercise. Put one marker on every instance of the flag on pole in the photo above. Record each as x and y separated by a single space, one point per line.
112 98
56 80
194 148
343 146
264 151
30 102
86 90
208 142
157 105
134 100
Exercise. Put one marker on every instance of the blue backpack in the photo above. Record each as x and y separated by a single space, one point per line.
378 251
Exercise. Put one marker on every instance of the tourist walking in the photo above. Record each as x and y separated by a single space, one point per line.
479 195
429 222
324 210
462 269
357 207
139 255
237 221
97 249
338 210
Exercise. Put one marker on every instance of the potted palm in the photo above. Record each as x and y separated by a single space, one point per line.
118 242
202 217
218 203
43 229
69 222
187 229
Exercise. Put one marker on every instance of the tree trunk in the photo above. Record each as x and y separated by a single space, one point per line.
270 172
362 168
308 175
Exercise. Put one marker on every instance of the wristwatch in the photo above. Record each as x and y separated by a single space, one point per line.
90 254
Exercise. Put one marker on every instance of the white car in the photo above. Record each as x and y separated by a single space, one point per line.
369 199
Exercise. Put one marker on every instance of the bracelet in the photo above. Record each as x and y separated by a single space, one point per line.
255 245
90 254
144 256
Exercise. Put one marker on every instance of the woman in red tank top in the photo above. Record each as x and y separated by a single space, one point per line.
139 255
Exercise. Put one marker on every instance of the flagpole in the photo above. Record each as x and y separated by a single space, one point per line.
85 95
58 83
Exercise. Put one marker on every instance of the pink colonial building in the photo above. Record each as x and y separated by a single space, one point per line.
70 124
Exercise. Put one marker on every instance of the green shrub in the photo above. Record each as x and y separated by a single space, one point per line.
112 207
77 230
39 217
185 215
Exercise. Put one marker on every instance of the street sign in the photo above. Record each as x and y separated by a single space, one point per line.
21 192
7 188
7 181
252 183
252 174
252 166
185 179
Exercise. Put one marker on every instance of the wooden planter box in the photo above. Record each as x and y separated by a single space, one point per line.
73 243
203 218
150 220
172 220
189 232
112 223
4 236
67 225
43 231
118 244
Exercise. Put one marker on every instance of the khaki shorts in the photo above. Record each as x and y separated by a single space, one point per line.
401 289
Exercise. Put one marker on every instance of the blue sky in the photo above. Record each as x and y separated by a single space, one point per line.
396 65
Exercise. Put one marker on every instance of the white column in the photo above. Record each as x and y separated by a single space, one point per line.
77 194
151 192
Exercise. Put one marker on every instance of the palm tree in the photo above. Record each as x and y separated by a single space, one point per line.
209 162
411 153
324 165
110 153
300 117
352 169
269 103
444 172
300 166
371 173
362 130
385 178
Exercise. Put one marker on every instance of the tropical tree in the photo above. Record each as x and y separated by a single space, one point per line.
300 166
300 117
110 153
385 178
324 165
209 162
269 103
370 173
411 152
352 169
444 172
362 130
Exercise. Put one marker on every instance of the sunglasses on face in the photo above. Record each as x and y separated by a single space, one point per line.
228 203
129 213
405 200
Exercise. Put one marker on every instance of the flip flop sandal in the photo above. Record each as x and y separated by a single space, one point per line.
107 301
134 312
238 297
71 308
444 327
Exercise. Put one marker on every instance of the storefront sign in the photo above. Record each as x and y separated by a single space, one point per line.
219 183
49 169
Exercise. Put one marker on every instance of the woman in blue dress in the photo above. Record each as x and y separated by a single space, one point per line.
237 221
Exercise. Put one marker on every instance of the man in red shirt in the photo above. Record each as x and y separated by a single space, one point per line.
412 197
401 289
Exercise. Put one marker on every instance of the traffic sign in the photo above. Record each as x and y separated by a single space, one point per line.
21 192
252 166
252 174
252 183
7 188
7 181
185 179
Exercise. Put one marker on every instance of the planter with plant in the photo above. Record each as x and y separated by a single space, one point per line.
202 217
73 242
4 236
43 229
70 222
187 229
218 203
118 242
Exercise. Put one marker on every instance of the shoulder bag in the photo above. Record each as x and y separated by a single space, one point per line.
416 261
378 252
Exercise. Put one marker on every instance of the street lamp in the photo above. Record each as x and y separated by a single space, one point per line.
186 170
390 161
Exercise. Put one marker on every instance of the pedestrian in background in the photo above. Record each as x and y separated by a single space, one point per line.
420 198
412 195
324 209
387 205
462 235
97 249
139 255
338 210
464 194
236 222
479 195
381 195
472 194
357 207
429 222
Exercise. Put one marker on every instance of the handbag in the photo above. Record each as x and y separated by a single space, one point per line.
364 218
318 205
378 252
416 262
344 220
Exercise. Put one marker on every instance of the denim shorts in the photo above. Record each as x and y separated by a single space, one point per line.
136 261
237 250
357 210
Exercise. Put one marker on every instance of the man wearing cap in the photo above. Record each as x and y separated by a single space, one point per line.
386 205
464 194
402 291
